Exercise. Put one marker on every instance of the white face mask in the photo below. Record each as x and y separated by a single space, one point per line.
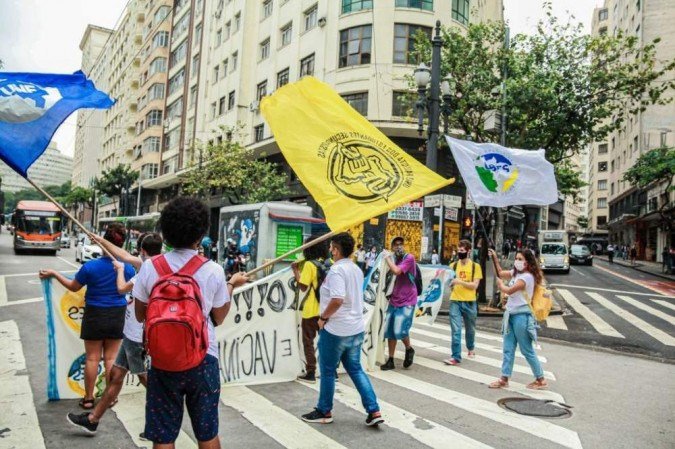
519 265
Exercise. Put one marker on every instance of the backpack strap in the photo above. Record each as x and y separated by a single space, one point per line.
194 264
161 265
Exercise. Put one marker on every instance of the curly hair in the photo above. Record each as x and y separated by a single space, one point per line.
317 251
116 234
184 221
345 242
532 265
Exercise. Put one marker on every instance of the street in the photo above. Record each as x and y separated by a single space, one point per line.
428 405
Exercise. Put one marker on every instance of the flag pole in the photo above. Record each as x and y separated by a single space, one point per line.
66 213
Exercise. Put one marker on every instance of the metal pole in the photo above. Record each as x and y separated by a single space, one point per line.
138 200
441 226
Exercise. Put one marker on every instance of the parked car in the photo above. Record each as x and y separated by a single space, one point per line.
86 250
65 240
553 256
581 254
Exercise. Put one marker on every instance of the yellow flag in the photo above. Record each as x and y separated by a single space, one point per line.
351 169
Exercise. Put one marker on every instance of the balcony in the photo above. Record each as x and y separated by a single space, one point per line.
140 17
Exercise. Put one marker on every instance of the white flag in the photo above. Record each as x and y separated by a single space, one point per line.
498 176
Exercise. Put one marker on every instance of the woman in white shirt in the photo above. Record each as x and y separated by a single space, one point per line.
518 326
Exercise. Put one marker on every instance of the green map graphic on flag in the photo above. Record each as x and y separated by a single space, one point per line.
496 172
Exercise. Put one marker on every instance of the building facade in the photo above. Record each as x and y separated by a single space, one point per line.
632 217
52 168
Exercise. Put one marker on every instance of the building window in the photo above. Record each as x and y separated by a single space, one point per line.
427 5
214 107
286 34
175 109
195 65
181 27
602 166
151 145
403 104
638 5
601 220
611 192
193 96
156 91
230 101
310 17
258 133
358 101
153 118
307 66
198 34
178 55
157 65
237 22
267 7
221 105
235 56
177 81
603 14
612 171
261 90
219 37
356 5
161 39
355 45
161 14
216 73
265 49
149 170
602 203
602 148
404 42
602 184
225 64
227 31
460 11
663 140
282 78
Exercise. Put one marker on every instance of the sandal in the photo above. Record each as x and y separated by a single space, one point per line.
499 383
539 384
87 404
452 362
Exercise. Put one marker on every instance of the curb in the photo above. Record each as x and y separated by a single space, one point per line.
641 270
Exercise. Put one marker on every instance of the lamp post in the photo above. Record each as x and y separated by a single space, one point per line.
430 78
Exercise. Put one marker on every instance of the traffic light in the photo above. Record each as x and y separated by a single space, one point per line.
468 222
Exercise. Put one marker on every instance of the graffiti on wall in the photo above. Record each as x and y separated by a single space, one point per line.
242 227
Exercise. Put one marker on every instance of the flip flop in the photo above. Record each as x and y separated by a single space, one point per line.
499 383
86 404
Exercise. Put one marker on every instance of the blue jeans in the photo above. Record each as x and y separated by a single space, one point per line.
462 311
333 350
518 334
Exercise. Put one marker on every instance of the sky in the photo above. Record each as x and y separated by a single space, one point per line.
44 35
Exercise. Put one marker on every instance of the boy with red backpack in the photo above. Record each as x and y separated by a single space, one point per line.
180 295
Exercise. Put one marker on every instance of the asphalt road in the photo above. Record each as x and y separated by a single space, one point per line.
619 401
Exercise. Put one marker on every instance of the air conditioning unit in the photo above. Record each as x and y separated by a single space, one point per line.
322 22
254 106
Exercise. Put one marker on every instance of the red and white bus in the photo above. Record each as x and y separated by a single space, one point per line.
37 226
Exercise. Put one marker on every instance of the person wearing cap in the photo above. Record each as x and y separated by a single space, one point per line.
402 302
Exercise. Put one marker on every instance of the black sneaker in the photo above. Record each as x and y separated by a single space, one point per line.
318 417
389 365
308 377
374 419
82 422
409 355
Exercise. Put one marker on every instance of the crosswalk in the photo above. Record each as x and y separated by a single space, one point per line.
649 317
428 405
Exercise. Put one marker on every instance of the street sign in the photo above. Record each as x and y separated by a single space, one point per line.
433 200
450 201
470 205
451 214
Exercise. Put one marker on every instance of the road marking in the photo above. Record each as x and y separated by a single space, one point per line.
446 328
21 301
496 363
593 319
283 427
490 410
646 308
610 290
19 416
578 272
626 278
77 268
665 304
130 410
423 430
3 291
556 322
481 378
478 345
634 320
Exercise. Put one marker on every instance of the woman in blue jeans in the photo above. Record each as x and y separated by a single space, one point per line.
341 335
518 326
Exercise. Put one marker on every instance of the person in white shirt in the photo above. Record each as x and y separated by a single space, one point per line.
341 337
361 258
435 258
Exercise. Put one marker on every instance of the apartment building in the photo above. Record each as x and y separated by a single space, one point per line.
574 209
52 168
632 217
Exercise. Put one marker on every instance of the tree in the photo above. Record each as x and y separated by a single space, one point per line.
564 89
582 221
234 170
30 194
656 168
115 181
79 196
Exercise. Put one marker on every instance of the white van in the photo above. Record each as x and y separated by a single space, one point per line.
554 256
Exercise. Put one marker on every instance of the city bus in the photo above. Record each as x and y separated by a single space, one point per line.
37 226
135 226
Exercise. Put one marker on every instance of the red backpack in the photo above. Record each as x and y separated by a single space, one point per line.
176 333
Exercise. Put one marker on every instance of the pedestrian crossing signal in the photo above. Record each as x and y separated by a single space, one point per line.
468 222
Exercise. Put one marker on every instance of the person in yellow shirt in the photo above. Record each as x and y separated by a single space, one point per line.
309 273
463 302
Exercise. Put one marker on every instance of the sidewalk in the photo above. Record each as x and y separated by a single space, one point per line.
644 266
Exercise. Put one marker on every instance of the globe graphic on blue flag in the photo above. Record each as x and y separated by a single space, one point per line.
496 172
22 102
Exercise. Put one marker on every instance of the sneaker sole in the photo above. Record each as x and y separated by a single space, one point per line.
306 381
84 429
375 422
319 421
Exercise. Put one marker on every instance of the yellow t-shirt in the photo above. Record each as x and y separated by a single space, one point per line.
309 276
463 272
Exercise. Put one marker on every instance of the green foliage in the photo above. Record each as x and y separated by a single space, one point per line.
582 221
79 195
564 89
113 181
235 171
30 194
655 166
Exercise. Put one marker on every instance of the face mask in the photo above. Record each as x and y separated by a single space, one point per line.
461 256
399 252
519 265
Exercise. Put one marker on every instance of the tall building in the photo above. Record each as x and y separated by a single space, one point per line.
632 217
51 169
574 209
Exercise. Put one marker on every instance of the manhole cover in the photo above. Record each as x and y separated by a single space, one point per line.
536 407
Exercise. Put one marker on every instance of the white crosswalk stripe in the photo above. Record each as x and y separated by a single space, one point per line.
593 319
657 313
665 304
556 322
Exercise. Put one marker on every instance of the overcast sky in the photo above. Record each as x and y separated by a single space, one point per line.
44 35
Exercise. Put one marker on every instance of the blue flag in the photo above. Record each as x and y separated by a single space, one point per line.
33 106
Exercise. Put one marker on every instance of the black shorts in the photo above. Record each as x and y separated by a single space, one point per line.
103 323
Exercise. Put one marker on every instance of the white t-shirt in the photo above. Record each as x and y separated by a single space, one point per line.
344 280
210 277
133 329
517 299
